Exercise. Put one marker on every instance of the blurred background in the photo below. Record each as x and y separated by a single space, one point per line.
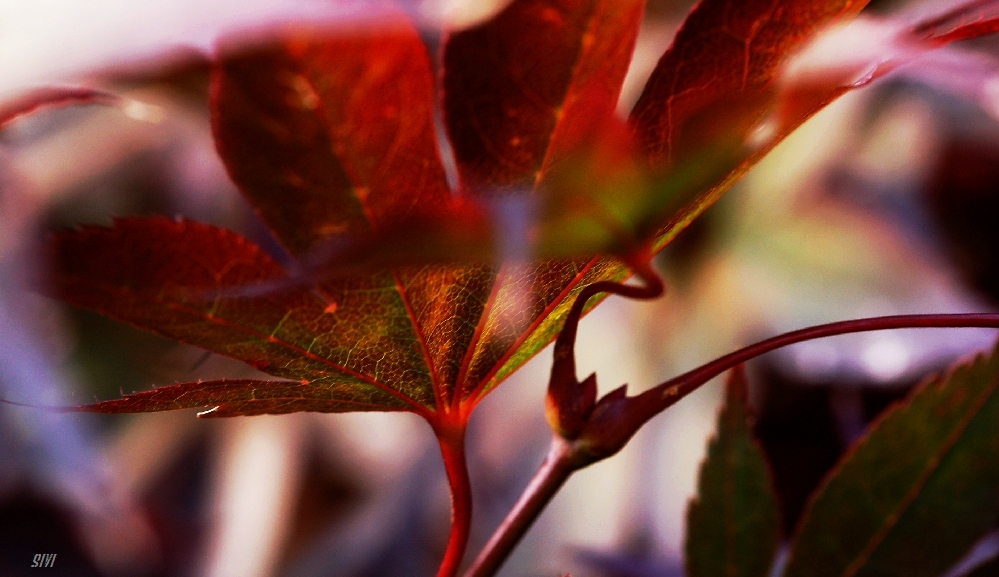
884 203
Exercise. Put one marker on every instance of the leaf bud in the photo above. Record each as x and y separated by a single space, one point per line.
569 403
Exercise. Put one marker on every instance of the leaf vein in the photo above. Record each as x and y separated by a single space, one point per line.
931 467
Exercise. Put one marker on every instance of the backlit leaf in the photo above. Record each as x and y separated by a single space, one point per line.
331 137
520 93
525 89
733 526
195 283
234 397
713 86
916 493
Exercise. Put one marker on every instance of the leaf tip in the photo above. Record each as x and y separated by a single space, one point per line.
737 386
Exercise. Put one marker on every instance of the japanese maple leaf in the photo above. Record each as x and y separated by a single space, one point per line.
331 136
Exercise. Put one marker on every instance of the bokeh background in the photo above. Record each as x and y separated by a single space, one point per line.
885 203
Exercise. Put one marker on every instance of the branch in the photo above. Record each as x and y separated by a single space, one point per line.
666 394
616 418
568 403
556 469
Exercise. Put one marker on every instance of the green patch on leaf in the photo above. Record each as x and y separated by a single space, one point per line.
733 526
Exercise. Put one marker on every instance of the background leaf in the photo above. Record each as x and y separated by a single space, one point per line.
918 491
733 526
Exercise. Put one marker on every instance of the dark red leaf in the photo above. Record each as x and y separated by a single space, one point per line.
522 91
528 100
210 287
330 134
714 85
230 398
331 137
509 100
526 94
726 53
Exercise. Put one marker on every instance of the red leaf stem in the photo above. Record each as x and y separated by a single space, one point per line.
616 417
969 20
452 443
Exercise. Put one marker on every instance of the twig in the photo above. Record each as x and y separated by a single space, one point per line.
616 418
556 469
662 396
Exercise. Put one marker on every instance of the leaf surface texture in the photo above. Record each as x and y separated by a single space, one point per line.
914 494
733 526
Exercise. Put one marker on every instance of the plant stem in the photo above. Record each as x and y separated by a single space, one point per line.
662 396
565 457
452 443
560 463
564 364
569 401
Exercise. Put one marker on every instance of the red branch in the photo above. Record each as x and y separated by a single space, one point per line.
616 418
559 465
666 394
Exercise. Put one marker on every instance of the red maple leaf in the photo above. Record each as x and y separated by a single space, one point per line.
412 290
330 135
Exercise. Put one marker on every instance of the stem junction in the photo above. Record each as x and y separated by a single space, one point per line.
587 430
